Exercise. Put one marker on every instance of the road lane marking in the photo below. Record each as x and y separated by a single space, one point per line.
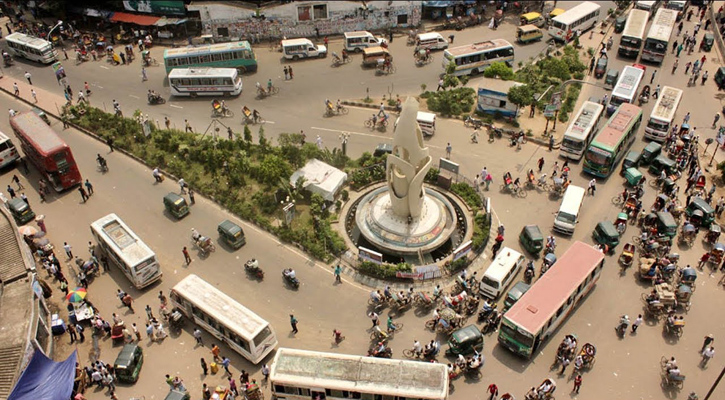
175 106
135 97
103 66
385 138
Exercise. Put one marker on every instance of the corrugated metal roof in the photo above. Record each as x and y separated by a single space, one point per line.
12 265
9 360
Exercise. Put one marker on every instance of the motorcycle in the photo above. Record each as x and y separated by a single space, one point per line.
155 99
386 353
252 267
291 280
486 312
472 122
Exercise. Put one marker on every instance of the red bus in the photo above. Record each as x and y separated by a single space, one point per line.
48 152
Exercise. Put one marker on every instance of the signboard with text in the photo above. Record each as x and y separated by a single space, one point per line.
163 7
370 255
462 250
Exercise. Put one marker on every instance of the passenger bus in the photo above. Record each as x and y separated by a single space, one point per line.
543 308
677 5
8 153
31 47
663 113
633 34
578 18
237 55
205 82
241 329
646 5
46 150
137 261
304 375
658 37
612 142
474 58
627 85
581 130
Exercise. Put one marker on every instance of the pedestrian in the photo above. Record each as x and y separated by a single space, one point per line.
68 250
108 381
577 383
65 54
286 73
707 354
564 363
24 198
191 196
87 88
79 330
16 180
679 50
714 122
656 93
136 332
204 367
167 122
143 75
187 126
109 141
150 332
64 286
16 90
687 67
338 271
492 391
225 363
675 65
123 57
686 119
702 61
182 185
593 186
265 372
215 350
128 302
187 257
197 336
637 322
244 377
488 180
440 85
293 321
674 47
104 262
591 65
89 187
11 191
233 386
551 143
652 78
449 148
72 333
708 340
34 95
84 195
291 74
704 78
374 318
149 312
205 392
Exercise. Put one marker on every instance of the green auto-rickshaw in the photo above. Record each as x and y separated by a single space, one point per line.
513 295
632 176
128 363
707 41
231 233
631 160
605 233
611 77
619 24
700 212
176 205
21 211
465 341
720 77
177 395
532 240
650 152
666 224
663 162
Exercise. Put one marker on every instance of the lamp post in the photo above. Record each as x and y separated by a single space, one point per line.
53 28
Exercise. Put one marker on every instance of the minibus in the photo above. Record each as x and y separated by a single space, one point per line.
500 273
568 215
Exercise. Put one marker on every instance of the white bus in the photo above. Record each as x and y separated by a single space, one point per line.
137 261
581 131
304 375
31 47
633 34
658 37
579 18
473 58
627 85
241 329
677 5
8 152
663 113
205 82
646 5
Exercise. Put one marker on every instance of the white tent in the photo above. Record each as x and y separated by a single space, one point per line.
320 178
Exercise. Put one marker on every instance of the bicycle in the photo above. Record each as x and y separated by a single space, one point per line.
412 354
398 327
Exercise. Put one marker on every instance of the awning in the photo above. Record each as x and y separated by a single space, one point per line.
143 20
44 378
443 4
169 21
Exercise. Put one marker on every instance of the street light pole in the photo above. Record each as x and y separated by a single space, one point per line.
53 28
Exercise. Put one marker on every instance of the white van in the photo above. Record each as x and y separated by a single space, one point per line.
358 40
568 215
500 273
431 40
426 122
8 152
294 49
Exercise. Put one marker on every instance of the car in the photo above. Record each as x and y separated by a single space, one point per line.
601 67
383 149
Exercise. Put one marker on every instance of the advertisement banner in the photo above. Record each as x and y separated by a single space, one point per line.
163 7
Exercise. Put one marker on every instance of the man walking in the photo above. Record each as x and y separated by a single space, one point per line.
28 76
540 163
440 85
16 180
128 302
34 95
225 364
449 148
89 187
577 383
592 186
652 79
187 127
72 333
187 257
675 65
16 90
80 329
374 318
144 78
84 195
637 323
68 250
197 336
286 73
493 391
293 322
708 340
291 74
338 271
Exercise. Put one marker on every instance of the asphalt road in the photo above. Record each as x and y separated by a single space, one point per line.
625 368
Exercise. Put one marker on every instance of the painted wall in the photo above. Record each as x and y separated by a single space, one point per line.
305 19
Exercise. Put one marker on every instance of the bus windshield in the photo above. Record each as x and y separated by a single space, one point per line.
572 144
661 125
522 338
598 157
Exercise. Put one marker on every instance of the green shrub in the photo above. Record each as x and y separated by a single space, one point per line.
468 194
452 102
457 265
383 271
499 70
480 231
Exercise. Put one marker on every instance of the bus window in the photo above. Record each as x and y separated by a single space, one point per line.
183 61
194 60
204 58
216 57
226 56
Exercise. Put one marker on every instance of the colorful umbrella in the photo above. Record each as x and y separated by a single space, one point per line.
27 230
77 295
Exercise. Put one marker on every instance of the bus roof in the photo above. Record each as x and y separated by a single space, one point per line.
547 295
628 82
217 303
662 25
582 123
27 40
479 46
208 48
120 236
36 131
202 71
391 377
612 134
667 104
636 24
573 14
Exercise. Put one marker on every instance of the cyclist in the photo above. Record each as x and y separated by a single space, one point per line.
380 332
256 116
417 349
269 85
338 106
391 325
375 295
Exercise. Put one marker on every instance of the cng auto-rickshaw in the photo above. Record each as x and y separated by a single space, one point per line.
605 233
650 152
533 18
601 67
532 240
666 224
465 341
631 161
372 55
176 205
231 233
21 211
700 212
619 24
707 41
528 33
128 363
177 395
663 162
513 295
720 77
612 76
632 176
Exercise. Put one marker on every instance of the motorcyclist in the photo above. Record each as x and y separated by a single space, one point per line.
290 273
253 264
269 85
195 235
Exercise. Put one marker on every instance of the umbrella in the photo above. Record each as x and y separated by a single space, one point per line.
39 217
27 230
77 295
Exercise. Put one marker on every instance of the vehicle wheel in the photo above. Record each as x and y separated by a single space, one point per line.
344 111
275 90
295 57
357 50
385 123
225 94
522 193
430 324
408 353
241 70
617 200
368 123
322 55
637 240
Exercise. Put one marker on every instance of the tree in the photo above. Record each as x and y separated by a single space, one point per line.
499 69
521 95
273 168
247 134
263 143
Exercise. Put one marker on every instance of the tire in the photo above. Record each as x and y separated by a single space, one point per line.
522 193
357 50
295 57
430 324
368 123
344 111
408 353
617 201
229 114
385 123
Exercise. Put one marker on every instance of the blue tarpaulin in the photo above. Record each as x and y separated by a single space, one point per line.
442 4
46 379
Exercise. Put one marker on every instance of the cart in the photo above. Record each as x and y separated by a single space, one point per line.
675 326
625 259
716 253
621 223
647 268
688 234
688 277
653 310
713 234
683 294
423 57
588 354
220 111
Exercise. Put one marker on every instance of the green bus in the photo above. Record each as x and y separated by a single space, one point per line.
237 55
612 142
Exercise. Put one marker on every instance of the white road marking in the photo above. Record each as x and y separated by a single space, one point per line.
351 133
175 106
103 66
135 97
